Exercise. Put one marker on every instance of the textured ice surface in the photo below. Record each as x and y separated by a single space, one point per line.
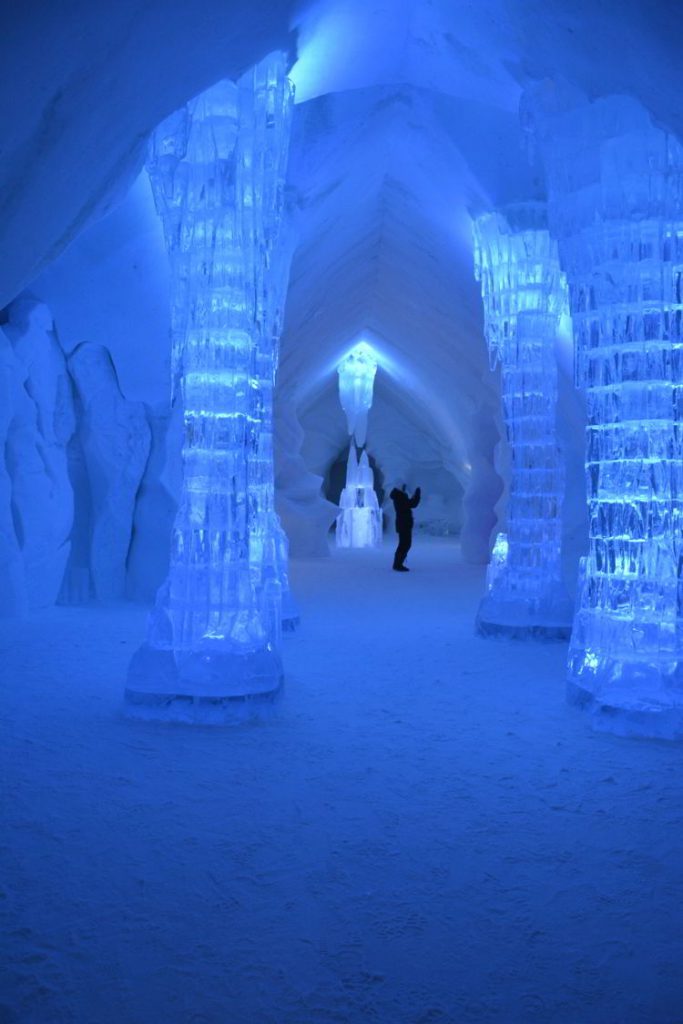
155 506
306 516
108 455
73 454
356 380
36 422
217 168
525 294
616 204
359 523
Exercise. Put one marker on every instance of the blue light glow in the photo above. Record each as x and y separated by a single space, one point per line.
359 523
356 381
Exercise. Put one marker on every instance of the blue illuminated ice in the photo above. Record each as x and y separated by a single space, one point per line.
356 381
217 168
359 523
497 561
525 296
615 184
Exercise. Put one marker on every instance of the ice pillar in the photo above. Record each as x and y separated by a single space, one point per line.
217 169
615 184
524 295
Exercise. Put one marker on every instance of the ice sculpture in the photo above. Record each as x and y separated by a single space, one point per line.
615 184
356 380
359 523
217 170
524 295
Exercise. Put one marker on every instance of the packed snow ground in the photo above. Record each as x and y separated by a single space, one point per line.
425 834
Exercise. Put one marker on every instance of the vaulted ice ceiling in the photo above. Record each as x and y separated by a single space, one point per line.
88 82
406 121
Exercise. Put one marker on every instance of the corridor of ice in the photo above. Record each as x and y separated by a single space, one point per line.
264 265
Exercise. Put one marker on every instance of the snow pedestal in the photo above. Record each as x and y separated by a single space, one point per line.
217 169
359 523
615 183
525 295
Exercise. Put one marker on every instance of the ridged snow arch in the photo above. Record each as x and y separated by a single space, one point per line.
606 249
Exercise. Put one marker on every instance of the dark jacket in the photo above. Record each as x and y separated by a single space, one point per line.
404 508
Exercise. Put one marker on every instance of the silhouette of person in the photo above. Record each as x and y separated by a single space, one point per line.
404 524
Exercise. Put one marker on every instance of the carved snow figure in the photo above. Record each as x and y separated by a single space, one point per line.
38 420
114 439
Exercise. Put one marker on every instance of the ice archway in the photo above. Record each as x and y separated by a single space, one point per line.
407 437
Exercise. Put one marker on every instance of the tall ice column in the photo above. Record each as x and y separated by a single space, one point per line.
615 185
524 295
217 170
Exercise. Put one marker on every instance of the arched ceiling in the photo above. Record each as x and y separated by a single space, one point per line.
429 44
487 50
385 178
406 122
84 82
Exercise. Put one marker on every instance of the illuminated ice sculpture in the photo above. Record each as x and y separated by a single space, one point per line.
217 169
615 184
359 523
356 381
525 294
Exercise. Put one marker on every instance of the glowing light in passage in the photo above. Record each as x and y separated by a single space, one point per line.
356 382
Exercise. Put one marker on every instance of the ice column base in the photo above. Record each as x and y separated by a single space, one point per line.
202 685
624 714
539 620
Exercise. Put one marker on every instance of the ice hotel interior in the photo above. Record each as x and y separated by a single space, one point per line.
341 511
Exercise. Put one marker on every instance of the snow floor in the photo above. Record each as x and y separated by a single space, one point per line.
424 834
